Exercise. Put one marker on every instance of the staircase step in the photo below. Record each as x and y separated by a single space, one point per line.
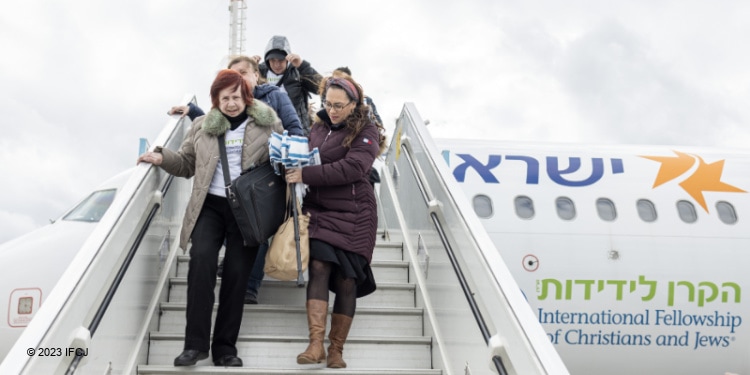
287 293
388 251
386 336
280 352
396 271
292 320
211 370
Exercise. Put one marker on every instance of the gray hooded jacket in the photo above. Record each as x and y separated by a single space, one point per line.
299 83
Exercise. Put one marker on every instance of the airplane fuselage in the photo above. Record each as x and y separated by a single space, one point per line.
632 258
33 263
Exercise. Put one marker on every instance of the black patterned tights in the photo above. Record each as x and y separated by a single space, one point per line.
320 274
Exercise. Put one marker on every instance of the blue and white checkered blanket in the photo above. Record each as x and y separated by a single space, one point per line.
292 151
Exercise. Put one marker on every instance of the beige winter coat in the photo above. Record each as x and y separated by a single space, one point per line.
198 155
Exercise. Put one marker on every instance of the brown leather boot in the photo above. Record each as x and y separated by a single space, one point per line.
317 312
340 325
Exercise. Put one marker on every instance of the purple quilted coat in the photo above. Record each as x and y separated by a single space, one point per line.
341 200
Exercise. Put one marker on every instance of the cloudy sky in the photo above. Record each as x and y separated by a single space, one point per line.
82 80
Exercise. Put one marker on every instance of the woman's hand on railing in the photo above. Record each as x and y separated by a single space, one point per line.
181 110
154 158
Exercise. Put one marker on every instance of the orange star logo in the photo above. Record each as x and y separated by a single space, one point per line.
706 177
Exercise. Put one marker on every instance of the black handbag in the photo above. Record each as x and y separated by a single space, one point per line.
257 198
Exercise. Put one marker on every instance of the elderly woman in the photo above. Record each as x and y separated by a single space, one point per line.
280 102
343 215
246 125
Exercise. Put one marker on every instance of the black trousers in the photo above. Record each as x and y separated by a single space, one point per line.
216 224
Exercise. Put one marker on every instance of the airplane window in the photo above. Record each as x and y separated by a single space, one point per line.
92 208
524 207
727 214
566 210
606 209
687 211
646 210
482 206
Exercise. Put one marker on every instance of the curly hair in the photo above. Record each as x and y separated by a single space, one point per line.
360 116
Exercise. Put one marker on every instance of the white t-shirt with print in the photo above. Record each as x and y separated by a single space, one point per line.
274 78
233 140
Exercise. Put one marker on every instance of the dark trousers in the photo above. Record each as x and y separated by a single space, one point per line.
215 224
256 276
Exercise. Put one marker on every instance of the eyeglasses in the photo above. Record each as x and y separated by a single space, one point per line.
335 106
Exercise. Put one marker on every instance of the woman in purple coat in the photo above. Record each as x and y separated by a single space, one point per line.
343 215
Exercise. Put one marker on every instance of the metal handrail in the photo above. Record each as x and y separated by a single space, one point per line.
514 338
468 293
102 309
131 217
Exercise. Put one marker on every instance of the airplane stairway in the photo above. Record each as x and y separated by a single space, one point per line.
386 336
445 302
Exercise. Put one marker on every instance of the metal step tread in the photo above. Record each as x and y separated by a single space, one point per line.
385 270
395 294
174 281
210 370
280 351
351 340
280 319
181 306
375 262
391 244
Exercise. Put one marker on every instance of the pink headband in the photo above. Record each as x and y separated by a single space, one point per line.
346 85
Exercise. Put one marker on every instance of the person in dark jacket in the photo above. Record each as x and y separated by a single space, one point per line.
209 222
269 94
295 76
343 215
281 103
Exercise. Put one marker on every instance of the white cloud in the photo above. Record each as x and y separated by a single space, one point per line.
627 95
81 82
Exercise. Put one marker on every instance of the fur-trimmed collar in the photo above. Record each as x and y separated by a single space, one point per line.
216 124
